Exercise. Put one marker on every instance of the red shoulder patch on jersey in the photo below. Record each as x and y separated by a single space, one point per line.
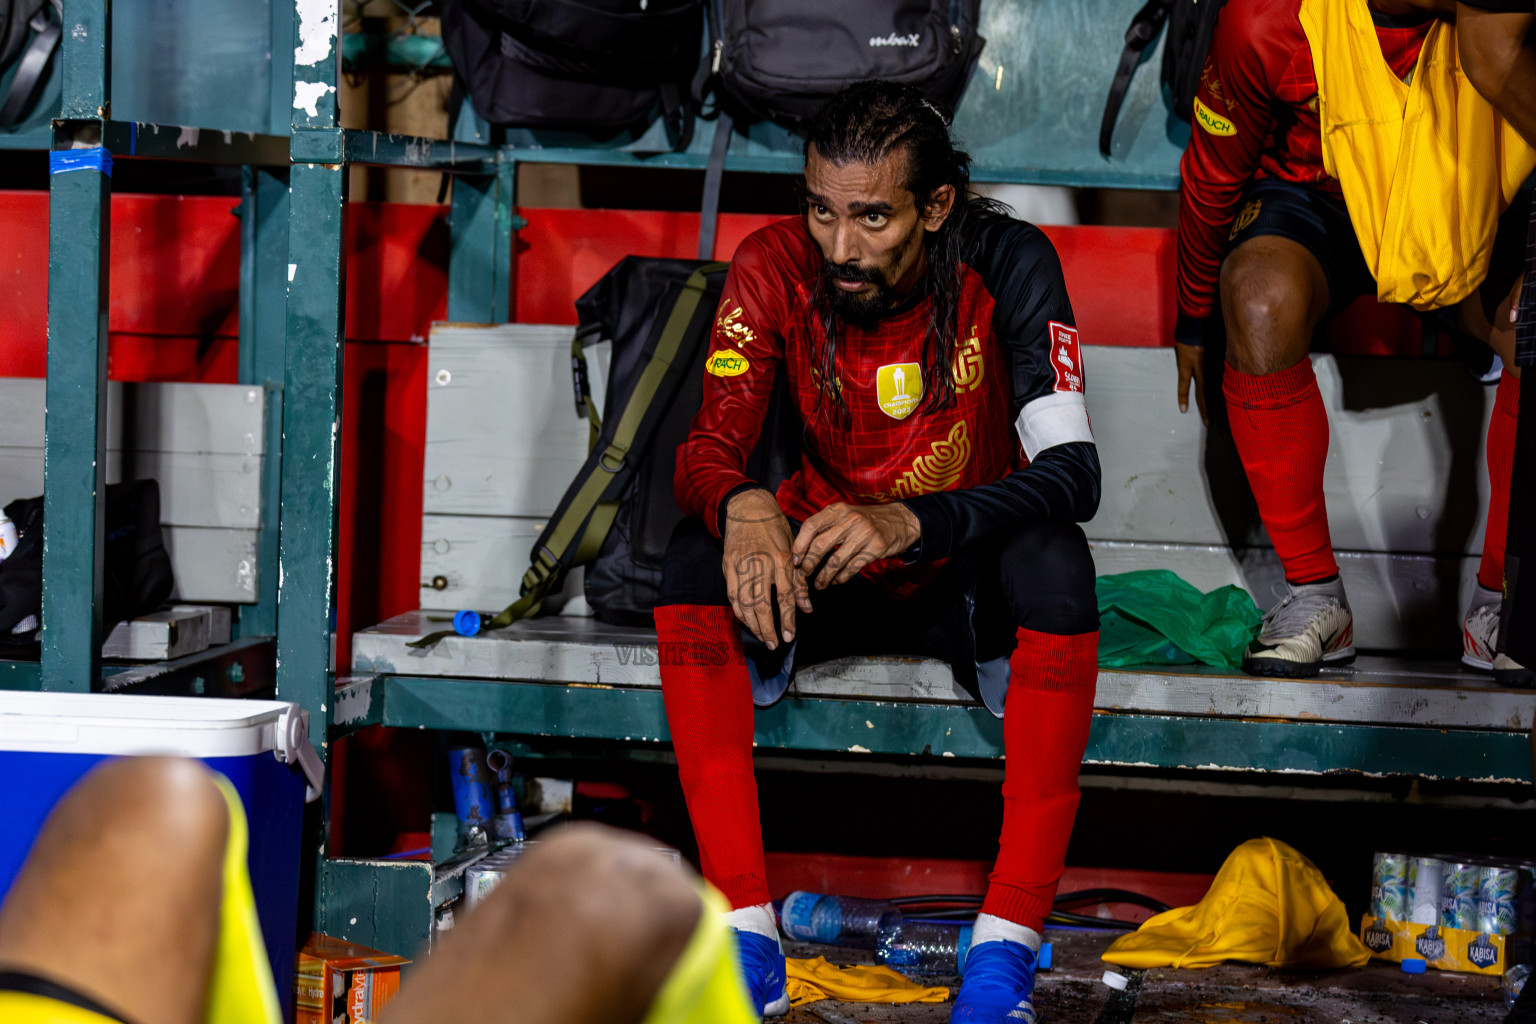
1066 357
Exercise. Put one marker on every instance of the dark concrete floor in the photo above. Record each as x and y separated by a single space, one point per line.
1072 993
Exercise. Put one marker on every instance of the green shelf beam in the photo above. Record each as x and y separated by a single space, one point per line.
792 163
873 728
333 145
132 139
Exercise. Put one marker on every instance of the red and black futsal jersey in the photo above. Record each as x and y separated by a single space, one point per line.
1255 116
1015 444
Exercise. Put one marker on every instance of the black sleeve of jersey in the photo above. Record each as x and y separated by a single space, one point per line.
1021 271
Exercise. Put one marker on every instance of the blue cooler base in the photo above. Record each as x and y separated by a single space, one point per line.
273 794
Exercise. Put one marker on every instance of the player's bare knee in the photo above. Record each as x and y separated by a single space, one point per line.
171 804
619 885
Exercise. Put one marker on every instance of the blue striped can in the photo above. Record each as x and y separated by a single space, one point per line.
1496 900
1458 896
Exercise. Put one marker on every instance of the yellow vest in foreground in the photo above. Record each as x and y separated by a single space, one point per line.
1426 167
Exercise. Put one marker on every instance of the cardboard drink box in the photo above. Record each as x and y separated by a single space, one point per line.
1444 949
338 982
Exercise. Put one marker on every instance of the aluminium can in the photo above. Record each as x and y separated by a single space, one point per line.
1496 892
1458 896
1427 877
1390 890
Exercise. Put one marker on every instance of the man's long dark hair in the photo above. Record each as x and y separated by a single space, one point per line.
864 124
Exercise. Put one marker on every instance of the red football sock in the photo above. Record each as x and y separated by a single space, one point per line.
1501 464
1045 729
1281 431
708 694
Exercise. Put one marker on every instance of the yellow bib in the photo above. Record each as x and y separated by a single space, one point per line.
1426 167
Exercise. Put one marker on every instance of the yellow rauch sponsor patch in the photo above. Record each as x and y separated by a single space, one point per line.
899 386
1212 121
726 363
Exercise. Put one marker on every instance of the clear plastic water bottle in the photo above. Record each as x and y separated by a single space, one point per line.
1514 983
835 920
924 947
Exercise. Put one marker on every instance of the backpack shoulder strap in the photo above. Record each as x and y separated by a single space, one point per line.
1144 28
575 533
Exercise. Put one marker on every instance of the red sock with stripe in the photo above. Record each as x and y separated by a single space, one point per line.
1501 464
709 713
1280 428
1045 730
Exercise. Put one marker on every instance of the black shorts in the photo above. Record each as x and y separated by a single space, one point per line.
1320 221
969 615
1313 218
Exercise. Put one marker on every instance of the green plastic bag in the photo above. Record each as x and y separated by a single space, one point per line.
1152 617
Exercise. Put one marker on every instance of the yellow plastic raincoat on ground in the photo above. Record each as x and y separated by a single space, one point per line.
1267 905
1426 167
810 980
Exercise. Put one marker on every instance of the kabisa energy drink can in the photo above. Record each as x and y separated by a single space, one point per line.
1389 887
1458 896
1496 900
1428 878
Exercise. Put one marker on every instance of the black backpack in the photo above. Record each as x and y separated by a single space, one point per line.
29 37
1191 24
781 59
592 65
619 512
136 565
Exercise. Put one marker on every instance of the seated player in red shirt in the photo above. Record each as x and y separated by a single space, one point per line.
1260 220
931 358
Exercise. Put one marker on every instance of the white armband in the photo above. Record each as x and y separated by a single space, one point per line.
1058 418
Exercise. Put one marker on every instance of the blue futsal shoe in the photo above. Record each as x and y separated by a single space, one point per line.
762 968
997 985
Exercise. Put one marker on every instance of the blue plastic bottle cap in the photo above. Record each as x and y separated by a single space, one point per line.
1043 961
1413 965
466 623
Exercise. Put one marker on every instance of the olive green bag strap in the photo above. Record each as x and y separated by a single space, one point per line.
579 528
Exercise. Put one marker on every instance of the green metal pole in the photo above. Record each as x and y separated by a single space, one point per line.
316 309
74 448
263 288
480 226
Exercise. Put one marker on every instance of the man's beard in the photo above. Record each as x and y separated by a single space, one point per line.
862 310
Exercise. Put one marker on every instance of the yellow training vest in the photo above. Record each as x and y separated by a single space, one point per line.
1426 167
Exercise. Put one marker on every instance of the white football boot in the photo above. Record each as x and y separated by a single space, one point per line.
1312 626
1480 628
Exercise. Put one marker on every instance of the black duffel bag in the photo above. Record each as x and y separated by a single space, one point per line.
593 65
782 59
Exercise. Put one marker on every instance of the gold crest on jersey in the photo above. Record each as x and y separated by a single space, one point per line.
968 366
899 387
